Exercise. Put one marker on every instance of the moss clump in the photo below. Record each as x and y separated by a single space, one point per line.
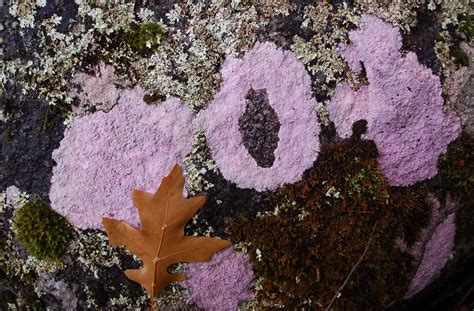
460 57
467 27
145 38
456 178
305 250
44 232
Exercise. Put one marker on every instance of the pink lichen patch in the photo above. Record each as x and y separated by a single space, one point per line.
402 104
433 250
99 91
103 156
222 283
288 86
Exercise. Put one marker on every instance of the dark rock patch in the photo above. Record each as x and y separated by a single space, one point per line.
259 127
224 202
421 40
30 133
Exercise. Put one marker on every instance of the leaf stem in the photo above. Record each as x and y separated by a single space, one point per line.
156 259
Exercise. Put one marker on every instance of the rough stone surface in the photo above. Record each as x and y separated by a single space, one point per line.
224 202
289 93
222 283
96 92
104 156
30 133
421 41
259 126
402 104
460 91
60 290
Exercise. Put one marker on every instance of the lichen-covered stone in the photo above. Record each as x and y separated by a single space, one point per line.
289 93
402 104
98 91
460 91
103 156
222 283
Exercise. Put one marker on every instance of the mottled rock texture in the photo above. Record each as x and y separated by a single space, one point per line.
289 93
402 104
259 127
30 133
226 201
103 156
222 283
460 91
99 91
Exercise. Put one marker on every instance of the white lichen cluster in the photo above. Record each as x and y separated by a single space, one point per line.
322 114
25 11
320 53
451 13
200 232
51 66
443 52
451 10
186 64
188 61
173 295
197 163
402 13
92 249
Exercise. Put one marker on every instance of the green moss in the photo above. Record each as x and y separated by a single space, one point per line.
44 232
456 178
145 38
460 57
323 224
467 27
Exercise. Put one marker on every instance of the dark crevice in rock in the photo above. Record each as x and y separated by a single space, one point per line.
259 127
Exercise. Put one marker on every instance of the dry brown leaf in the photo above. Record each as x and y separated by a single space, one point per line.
161 241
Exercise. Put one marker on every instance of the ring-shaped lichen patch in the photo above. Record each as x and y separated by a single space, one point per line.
289 93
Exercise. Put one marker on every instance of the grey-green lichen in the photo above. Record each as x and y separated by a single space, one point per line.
451 10
197 163
187 63
402 13
49 69
320 53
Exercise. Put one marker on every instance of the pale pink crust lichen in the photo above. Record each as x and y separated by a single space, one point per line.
289 93
402 104
100 90
433 249
222 283
104 156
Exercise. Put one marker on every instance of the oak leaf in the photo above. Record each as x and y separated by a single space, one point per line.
161 241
